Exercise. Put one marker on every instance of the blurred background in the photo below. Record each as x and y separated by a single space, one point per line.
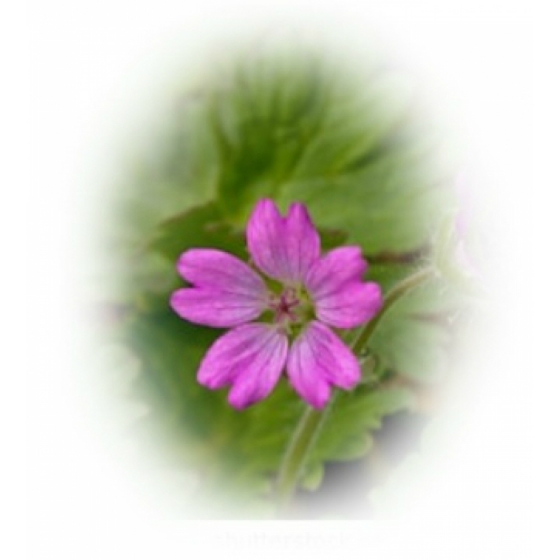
285 118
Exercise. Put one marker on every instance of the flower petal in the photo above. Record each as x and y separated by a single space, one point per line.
283 248
334 269
214 308
303 245
250 357
266 240
210 268
318 359
351 305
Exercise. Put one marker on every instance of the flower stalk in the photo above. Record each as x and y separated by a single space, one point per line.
312 420
300 445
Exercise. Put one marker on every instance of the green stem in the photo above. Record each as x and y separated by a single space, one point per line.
297 452
312 420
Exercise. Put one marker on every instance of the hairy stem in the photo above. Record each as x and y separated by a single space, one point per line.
302 442
312 420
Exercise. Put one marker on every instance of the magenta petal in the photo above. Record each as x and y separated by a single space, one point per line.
226 291
335 269
283 248
210 268
266 240
250 357
318 359
351 305
303 244
215 308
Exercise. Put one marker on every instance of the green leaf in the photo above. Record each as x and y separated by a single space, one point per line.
414 337
262 121
412 348
203 226
347 431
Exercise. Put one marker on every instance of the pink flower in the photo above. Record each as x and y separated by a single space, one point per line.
301 295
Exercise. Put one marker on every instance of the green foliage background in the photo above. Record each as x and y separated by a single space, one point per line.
290 127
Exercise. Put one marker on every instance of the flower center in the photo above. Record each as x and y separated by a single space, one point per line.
285 306
291 307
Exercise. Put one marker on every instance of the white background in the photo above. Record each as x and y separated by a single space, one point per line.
489 493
